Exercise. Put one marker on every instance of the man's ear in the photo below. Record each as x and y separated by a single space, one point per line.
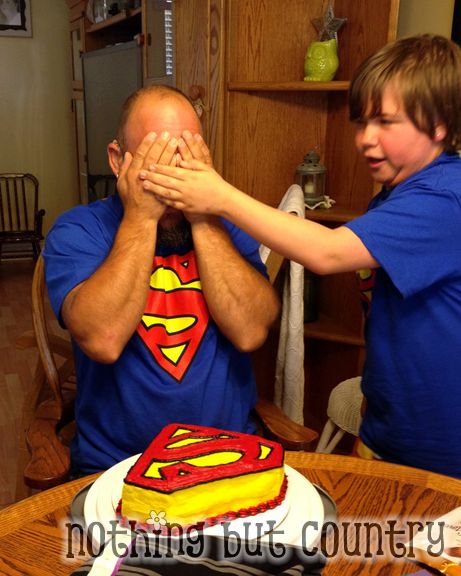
115 156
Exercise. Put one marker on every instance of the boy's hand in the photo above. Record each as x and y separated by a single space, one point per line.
193 147
195 187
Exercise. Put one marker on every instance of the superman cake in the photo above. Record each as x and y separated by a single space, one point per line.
195 474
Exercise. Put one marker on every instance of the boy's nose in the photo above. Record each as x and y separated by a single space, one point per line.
368 135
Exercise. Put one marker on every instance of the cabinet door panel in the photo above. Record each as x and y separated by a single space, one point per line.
272 119
268 135
79 124
268 40
159 41
198 49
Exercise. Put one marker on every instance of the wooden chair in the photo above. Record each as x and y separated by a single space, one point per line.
49 428
100 187
47 423
20 217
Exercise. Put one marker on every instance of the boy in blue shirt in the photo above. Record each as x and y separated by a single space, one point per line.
405 103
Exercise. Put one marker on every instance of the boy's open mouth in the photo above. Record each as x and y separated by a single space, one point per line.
374 162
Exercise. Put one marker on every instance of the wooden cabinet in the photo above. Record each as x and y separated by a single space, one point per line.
77 46
199 70
149 23
193 63
273 118
242 62
158 32
116 29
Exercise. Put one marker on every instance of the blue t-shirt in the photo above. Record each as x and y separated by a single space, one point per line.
177 366
412 374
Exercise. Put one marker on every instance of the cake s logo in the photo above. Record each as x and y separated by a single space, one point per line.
183 456
176 315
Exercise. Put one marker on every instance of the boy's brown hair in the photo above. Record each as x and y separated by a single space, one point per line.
426 72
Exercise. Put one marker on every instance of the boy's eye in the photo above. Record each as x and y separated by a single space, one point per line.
386 121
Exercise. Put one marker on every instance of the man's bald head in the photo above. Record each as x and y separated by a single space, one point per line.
155 108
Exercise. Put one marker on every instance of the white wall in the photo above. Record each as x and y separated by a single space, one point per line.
419 16
35 113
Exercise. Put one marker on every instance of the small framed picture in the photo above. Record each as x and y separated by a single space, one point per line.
15 18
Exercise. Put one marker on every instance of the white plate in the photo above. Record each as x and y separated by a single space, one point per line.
302 504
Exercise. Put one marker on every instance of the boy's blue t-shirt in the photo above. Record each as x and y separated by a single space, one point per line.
177 367
412 375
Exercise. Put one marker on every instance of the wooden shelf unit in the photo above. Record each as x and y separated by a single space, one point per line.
121 17
117 29
143 25
333 215
329 330
273 118
297 86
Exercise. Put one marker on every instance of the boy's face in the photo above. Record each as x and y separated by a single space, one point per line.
392 145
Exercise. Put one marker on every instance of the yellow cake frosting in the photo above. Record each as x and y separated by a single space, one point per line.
192 473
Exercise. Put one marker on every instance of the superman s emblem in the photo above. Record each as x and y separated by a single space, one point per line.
176 315
183 456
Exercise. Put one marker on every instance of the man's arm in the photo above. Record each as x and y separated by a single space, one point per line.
241 301
102 312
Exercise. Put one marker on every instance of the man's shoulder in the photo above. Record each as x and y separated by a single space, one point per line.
99 210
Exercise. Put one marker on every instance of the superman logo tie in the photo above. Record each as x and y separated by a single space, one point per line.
176 315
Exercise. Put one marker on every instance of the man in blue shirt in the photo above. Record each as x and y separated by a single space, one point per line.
162 310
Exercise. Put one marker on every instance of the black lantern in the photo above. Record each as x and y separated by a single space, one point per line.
310 175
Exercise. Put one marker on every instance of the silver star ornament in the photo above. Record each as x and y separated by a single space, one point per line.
328 26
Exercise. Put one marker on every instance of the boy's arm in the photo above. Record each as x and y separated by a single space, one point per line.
196 188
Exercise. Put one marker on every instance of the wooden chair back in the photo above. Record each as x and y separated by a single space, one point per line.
42 337
48 413
100 187
20 217
274 265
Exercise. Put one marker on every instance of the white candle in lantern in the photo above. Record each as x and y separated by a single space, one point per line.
309 188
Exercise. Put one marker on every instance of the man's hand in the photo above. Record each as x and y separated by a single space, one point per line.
193 147
152 150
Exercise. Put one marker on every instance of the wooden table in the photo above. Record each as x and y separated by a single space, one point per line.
33 539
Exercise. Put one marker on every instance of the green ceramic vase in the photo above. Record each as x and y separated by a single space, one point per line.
321 61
